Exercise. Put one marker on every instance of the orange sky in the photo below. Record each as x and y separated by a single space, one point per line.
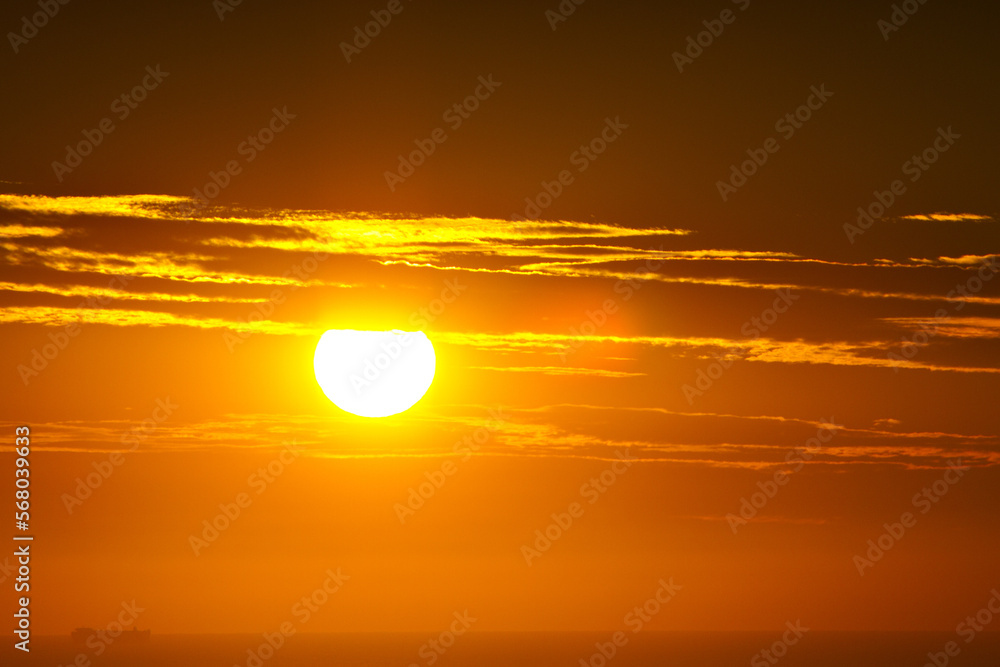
563 346
738 351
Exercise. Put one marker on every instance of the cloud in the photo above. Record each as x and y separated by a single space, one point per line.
763 350
952 327
947 217
230 249
559 431
139 206
760 518
108 293
20 231
558 370
60 317
163 265
964 261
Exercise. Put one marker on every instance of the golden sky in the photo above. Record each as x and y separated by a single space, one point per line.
182 342
728 319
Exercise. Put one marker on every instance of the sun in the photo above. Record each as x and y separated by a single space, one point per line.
374 373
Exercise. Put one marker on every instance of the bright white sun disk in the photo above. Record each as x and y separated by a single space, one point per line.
374 373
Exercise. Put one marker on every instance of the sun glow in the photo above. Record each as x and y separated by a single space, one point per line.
374 373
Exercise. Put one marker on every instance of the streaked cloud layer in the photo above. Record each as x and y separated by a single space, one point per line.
573 310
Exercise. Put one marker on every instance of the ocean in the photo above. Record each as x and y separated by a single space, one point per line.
537 649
